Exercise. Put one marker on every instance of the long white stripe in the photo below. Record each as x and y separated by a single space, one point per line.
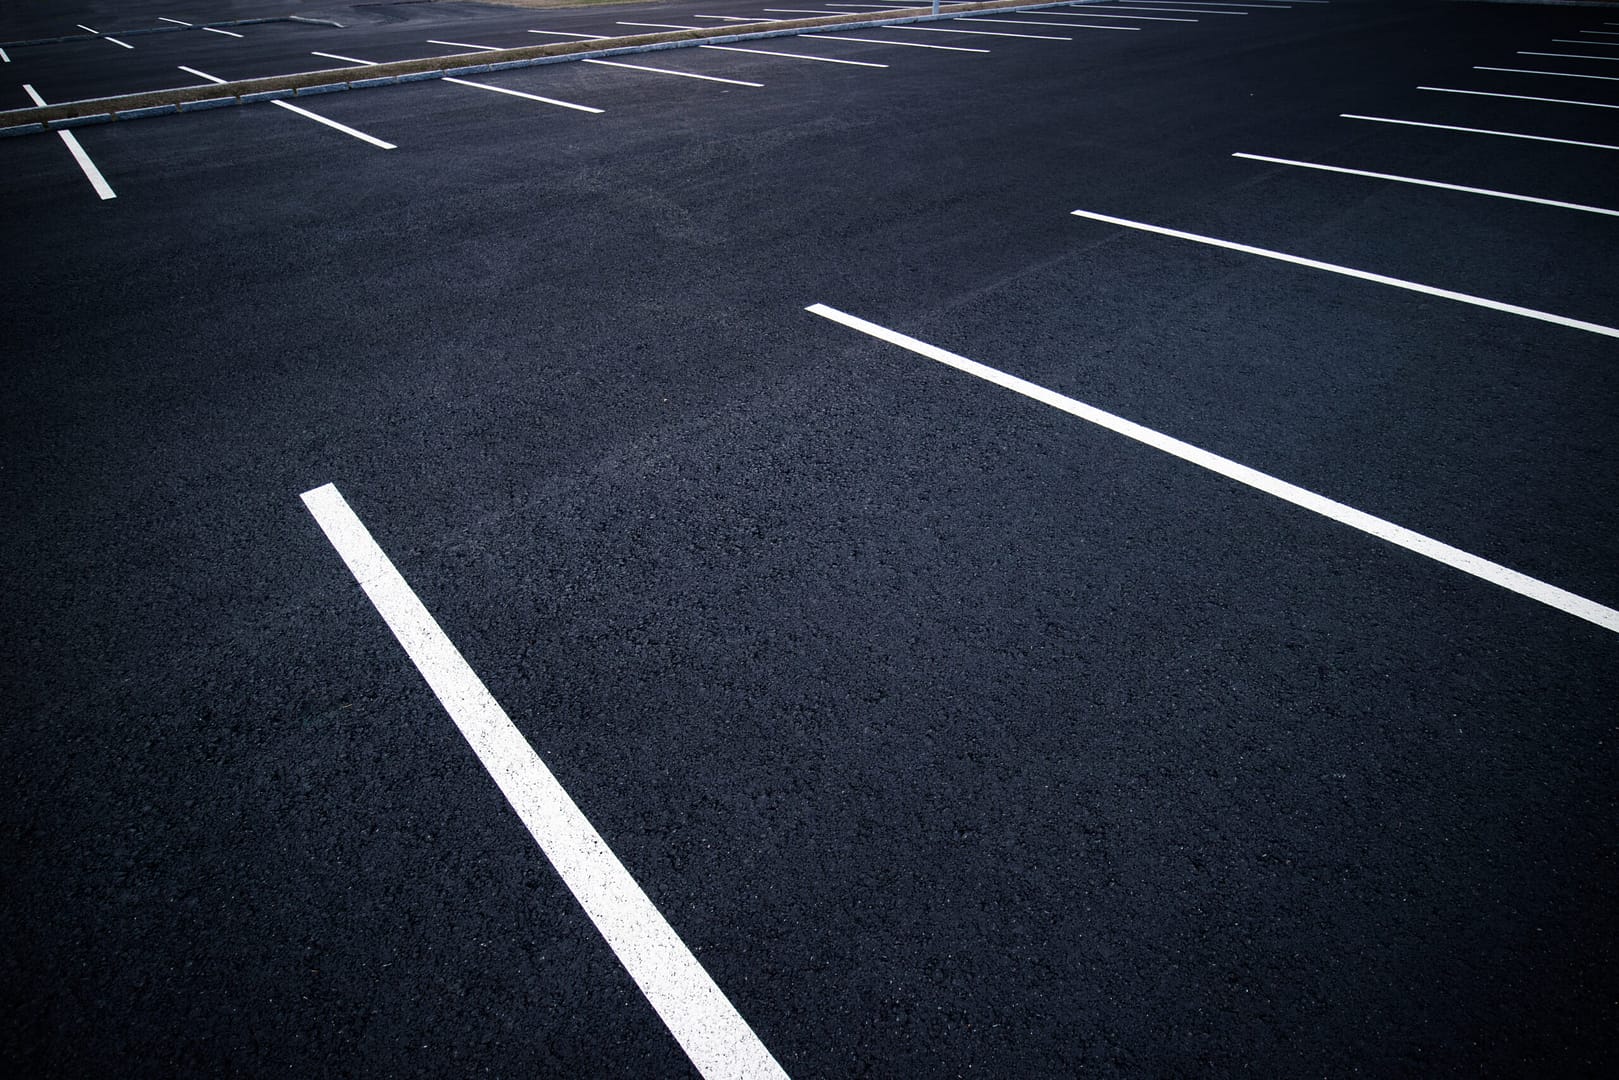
346 59
1581 41
1519 97
1133 18
671 71
176 22
1567 56
793 56
88 167
1183 11
1032 22
333 124
664 26
728 18
464 45
987 33
1558 74
1494 573
1478 131
115 41
1430 183
1363 275
1216 3
92 30
564 33
217 30
904 44
1610 33
519 93
705 1023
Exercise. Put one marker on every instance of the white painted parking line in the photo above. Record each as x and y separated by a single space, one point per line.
176 22
902 44
1430 183
1182 11
1520 97
793 56
989 33
1479 131
521 94
564 33
671 71
1031 22
89 29
86 166
1494 573
464 45
115 41
1363 275
1577 41
1521 52
1558 74
1611 33
1215 3
804 11
316 117
347 59
3 57
700 1017
217 30
729 18
663 26
1132 18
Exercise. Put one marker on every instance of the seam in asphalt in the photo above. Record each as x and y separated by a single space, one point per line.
40 120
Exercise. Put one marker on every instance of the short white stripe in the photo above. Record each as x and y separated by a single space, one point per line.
705 1023
92 30
217 30
1183 11
564 33
1494 573
989 33
793 56
1564 55
115 41
1479 131
803 11
1216 3
202 75
1363 275
1558 74
3 57
1430 183
88 167
663 26
176 22
728 18
1520 97
669 71
345 59
333 124
903 44
519 93
464 45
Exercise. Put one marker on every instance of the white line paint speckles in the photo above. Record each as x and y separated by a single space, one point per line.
705 1023
88 167
1362 275
1494 573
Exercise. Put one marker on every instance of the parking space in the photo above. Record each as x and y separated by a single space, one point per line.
1000 548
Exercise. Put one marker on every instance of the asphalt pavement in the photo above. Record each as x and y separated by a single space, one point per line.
1244 702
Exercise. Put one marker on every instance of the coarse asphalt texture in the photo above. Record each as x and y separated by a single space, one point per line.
954 735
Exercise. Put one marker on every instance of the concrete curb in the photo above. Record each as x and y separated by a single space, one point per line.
33 121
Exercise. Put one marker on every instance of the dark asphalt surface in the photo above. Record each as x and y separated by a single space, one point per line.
955 736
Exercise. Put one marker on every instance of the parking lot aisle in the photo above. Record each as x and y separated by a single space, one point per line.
1363 275
88 167
1512 580
306 114
1427 183
1478 131
719 1042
